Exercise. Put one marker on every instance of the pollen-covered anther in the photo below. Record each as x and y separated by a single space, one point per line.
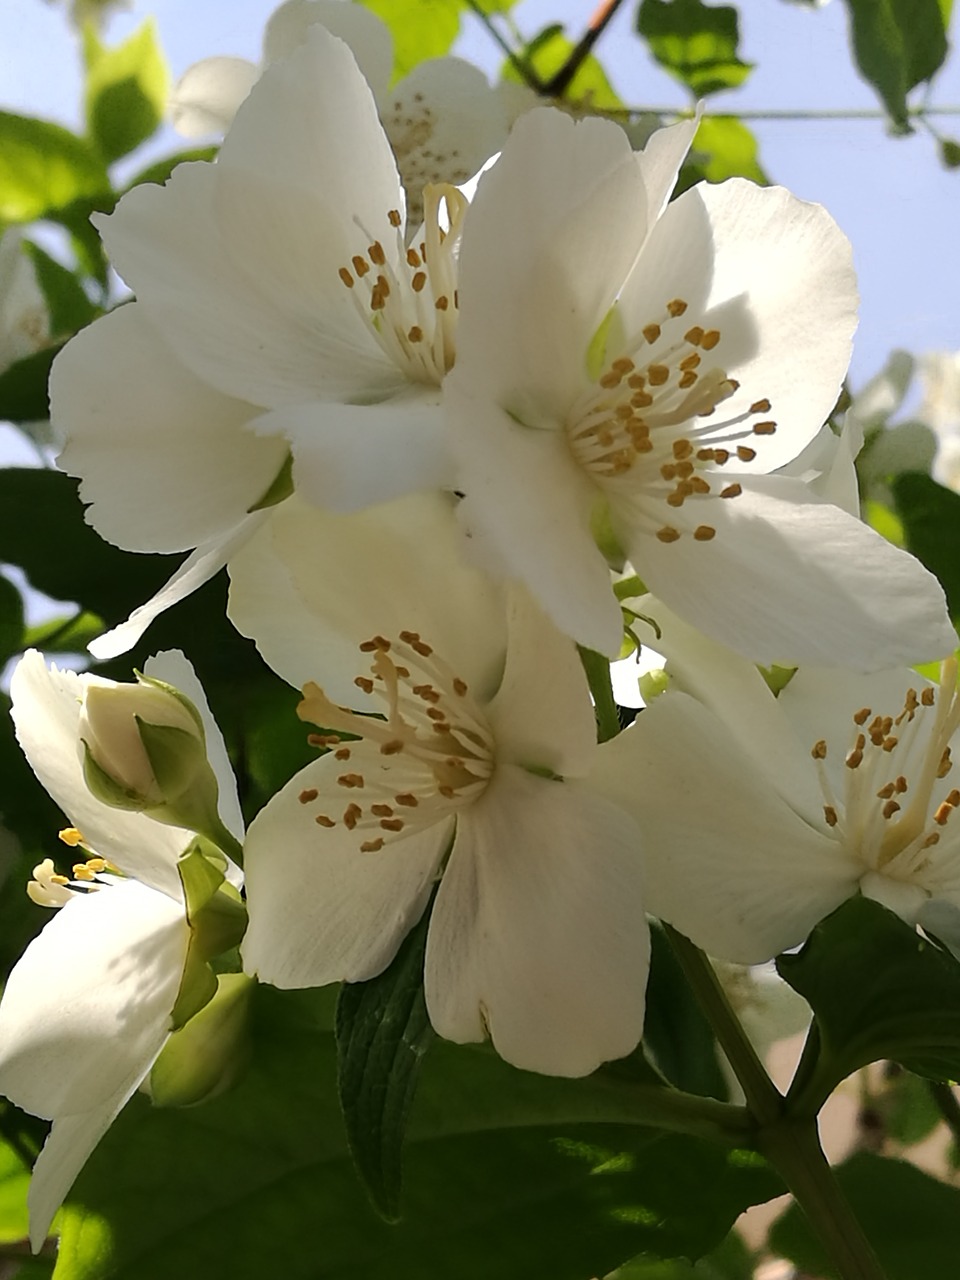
308 795
70 836
704 533
372 846
764 428
731 491
819 750
946 764
890 808
668 534
943 813
676 308
862 716
350 780
830 815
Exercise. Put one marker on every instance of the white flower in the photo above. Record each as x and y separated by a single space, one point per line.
641 370
475 730
278 308
761 814
940 410
24 319
87 1008
443 121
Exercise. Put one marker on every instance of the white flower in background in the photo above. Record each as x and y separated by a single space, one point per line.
24 318
475 729
637 371
443 121
88 1007
940 410
761 814
278 308
888 447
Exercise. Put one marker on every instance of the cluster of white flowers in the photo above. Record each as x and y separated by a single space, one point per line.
427 448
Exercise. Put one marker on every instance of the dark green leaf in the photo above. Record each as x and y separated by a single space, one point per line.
421 29
84 236
69 634
908 1111
383 1033
70 308
950 153
23 388
676 1034
43 168
11 620
507 1174
547 53
732 1261
126 91
931 525
695 42
897 44
912 1221
878 990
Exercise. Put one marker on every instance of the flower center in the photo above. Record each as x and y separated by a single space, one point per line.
50 889
431 754
895 803
642 428
409 300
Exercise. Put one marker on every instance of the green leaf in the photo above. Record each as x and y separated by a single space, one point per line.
908 1111
676 1034
14 1181
70 308
695 42
950 153
383 1033
68 634
896 45
726 148
931 527
507 1174
23 387
43 168
127 90
899 998
547 53
421 29
912 1221
732 1261
11 620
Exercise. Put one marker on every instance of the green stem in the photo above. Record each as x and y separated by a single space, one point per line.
679 1112
557 86
516 60
597 669
793 1148
790 1143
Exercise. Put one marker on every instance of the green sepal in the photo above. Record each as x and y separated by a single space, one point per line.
180 697
609 327
630 589
777 678
279 488
198 986
204 1057
601 527
217 919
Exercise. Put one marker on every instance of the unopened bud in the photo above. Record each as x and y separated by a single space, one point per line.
206 1056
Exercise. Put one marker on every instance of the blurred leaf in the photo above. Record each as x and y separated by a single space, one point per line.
899 998
547 53
950 153
695 42
14 1181
44 167
886 522
507 1174
70 308
383 1033
912 1221
731 1261
126 91
11 620
23 387
908 1109
897 44
931 527
730 150
69 634
84 236
676 1034
421 29
161 170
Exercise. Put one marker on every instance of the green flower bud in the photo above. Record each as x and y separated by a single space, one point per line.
207 1055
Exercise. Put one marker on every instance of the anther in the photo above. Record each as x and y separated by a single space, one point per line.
364 683
731 491
391 748
323 821
442 303
360 265
677 307
70 836
346 277
764 428
372 846
415 334
658 374
830 815
407 799
760 406
308 794
651 332
413 258
418 281
943 813
704 533
342 754
862 716
350 780
745 453
392 824
381 810
376 253
694 336
394 218
890 808
682 449
668 534
928 697
459 687
819 750
351 816
886 792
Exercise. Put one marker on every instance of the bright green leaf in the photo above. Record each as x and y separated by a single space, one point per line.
70 308
14 1180
728 149
421 29
547 54
69 634
899 999
897 44
912 1221
931 526
383 1033
507 1174
127 90
695 42
44 168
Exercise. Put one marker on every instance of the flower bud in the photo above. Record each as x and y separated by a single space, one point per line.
206 1056
143 743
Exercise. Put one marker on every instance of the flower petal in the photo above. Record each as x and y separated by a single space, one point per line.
538 933
792 580
46 716
366 35
320 911
165 461
294 591
206 97
728 861
87 1007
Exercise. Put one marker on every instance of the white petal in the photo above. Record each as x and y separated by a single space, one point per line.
294 591
542 716
369 38
791 580
197 569
538 932
87 1007
528 508
553 230
165 461
46 715
320 911
728 862
206 97
351 456
660 161
174 668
